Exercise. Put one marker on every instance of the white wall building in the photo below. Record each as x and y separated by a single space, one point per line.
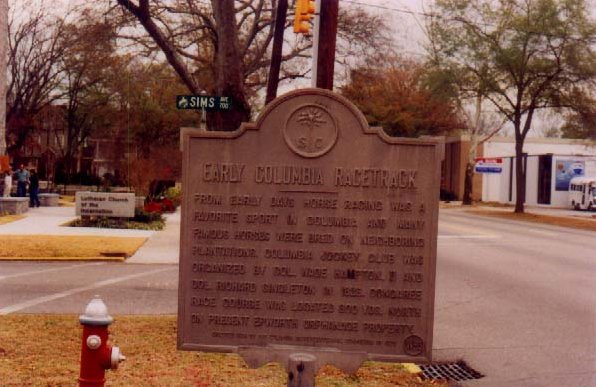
550 164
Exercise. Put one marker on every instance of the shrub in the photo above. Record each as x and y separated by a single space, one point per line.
152 207
142 221
146 216
174 194
160 205
167 205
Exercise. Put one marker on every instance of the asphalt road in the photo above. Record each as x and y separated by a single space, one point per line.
517 301
44 287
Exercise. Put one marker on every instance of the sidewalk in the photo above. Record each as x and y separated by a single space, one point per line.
531 209
160 247
49 221
163 246
566 215
545 210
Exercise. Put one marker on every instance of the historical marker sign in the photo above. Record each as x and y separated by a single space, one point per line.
308 231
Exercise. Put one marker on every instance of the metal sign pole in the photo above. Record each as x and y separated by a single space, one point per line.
301 370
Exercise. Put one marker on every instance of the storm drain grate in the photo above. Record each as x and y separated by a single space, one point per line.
450 371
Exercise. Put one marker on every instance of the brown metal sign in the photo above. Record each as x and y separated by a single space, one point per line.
308 231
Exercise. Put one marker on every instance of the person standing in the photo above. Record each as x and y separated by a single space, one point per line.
7 183
33 189
22 176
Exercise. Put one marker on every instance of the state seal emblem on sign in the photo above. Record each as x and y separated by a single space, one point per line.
310 131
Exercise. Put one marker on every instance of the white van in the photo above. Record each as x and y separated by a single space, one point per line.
582 193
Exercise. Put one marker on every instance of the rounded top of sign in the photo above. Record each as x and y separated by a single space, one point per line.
313 106
317 101
312 121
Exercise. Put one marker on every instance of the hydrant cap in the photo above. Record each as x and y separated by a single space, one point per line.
96 313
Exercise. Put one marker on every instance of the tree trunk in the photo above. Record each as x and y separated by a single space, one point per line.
67 169
468 180
474 142
229 75
520 176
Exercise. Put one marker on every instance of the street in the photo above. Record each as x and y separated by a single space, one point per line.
516 301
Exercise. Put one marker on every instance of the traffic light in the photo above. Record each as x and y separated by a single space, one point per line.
304 12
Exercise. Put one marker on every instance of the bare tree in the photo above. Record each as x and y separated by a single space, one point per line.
523 55
196 40
363 40
34 50
481 127
224 47
86 65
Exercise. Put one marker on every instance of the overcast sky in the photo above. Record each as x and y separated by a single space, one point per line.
404 17
407 27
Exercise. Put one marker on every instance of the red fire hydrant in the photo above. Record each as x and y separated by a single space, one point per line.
96 355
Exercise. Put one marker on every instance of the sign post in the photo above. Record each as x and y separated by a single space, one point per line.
308 232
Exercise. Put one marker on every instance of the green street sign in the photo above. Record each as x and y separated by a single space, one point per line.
203 102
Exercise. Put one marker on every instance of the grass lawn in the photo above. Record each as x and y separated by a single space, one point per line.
42 350
65 247
4 219
66 201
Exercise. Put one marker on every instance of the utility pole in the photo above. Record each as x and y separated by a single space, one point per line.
3 62
278 39
327 32
315 43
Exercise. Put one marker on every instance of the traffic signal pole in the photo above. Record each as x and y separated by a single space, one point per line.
327 32
315 42
278 39
324 37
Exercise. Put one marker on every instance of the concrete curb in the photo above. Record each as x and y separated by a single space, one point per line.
110 259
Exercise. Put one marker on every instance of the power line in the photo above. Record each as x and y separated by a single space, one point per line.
384 7
438 16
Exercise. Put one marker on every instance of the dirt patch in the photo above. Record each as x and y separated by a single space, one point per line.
64 247
44 350
579 223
